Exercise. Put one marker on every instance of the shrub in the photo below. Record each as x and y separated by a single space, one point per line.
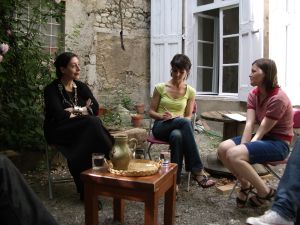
24 72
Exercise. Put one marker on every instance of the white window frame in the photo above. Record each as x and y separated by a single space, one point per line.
221 64
215 50
47 45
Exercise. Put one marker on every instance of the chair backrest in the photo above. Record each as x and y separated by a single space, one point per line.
296 118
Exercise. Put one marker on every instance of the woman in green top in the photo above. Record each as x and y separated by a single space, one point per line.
171 107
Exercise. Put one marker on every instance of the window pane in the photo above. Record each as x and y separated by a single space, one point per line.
45 40
205 29
205 54
56 30
230 79
231 21
204 2
230 50
204 80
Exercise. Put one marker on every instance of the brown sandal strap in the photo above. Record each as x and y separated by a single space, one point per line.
257 200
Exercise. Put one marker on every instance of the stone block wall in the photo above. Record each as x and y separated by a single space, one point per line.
93 32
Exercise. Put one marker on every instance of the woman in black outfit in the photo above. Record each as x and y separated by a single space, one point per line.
71 121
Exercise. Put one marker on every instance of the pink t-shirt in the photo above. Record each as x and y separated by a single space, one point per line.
277 106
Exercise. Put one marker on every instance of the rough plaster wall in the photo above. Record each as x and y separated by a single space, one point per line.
124 70
92 28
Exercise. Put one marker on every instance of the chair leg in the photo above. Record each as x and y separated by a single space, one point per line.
233 189
188 182
49 173
270 170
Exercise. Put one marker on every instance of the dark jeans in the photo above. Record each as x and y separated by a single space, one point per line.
19 205
180 135
287 200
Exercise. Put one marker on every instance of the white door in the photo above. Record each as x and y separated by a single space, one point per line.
284 44
166 38
251 41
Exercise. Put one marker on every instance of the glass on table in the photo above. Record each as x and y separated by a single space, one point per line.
97 161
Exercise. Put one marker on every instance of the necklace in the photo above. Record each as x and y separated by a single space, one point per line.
65 101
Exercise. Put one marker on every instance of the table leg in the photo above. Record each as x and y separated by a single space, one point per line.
119 209
151 210
91 205
170 202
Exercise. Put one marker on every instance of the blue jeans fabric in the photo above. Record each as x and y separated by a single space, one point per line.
180 135
287 200
19 205
266 149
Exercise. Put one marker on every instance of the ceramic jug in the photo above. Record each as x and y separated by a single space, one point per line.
121 154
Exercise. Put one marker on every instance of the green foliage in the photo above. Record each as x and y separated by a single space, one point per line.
73 37
125 100
24 72
111 118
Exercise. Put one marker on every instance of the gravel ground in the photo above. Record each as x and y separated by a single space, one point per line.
198 206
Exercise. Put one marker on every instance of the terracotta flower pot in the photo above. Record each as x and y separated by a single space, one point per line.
102 110
136 120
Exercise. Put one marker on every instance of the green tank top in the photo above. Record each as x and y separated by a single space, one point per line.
174 105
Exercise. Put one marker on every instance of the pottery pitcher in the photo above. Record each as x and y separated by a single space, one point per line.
121 153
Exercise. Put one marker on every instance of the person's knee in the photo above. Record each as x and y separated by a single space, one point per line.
4 162
175 136
222 149
92 121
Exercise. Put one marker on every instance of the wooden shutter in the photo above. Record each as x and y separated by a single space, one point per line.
166 38
251 41
284 44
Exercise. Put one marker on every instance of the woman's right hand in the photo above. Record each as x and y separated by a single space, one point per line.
70 109
167 115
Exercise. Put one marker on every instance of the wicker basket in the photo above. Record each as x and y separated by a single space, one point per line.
137 168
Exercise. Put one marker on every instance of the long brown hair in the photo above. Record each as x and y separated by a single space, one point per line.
269 68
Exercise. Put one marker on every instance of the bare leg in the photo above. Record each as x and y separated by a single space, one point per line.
222 155
236 159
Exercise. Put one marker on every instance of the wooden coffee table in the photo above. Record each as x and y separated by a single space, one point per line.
147 189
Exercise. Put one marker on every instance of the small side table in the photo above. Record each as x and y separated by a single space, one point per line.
147 189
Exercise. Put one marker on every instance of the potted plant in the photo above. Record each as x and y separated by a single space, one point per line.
136 120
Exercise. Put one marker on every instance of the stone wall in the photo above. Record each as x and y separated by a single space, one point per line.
93 32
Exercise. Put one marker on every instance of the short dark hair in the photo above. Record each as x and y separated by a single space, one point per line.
268 66
181 61
62 61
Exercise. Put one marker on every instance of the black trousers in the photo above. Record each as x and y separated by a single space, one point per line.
19 205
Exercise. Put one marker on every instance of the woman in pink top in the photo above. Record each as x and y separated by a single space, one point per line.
270 108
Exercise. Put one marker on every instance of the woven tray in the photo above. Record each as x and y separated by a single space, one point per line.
137 168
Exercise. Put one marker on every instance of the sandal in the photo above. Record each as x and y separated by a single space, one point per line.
203 181
241 203
257 201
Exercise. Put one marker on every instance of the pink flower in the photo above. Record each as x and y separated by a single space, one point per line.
1 58
9 32
3 48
